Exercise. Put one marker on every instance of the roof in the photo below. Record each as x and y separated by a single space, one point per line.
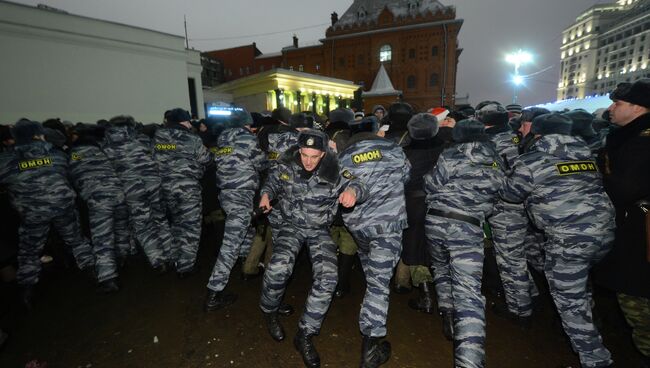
382 86
365 11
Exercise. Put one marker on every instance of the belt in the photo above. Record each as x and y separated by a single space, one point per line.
455 216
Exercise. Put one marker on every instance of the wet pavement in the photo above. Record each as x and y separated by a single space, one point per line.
158 321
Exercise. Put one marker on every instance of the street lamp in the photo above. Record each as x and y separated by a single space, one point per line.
518 59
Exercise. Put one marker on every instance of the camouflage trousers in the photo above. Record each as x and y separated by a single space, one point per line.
109 230
534 245
378 255
33 232
237 235
457 260
322 253
508 225
568 260
343 239
147 216
184 208
637 314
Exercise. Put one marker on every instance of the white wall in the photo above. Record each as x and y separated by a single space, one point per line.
82 69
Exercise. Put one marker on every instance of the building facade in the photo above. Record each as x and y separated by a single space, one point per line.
81 69
608 44
415 41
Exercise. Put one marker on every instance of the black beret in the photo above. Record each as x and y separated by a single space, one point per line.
637 93
341 115
281 114
311 138
24 130
177 115
553 123
582 123
367 124
423 126
469 130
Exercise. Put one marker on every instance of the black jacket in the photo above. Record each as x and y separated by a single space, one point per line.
626 171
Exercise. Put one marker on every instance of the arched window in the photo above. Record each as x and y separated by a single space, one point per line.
410 82
385 53
433 80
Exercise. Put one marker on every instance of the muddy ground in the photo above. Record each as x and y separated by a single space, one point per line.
72 326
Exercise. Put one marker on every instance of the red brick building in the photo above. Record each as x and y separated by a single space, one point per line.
416 40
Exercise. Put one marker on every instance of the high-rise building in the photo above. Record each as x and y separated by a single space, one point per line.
608 44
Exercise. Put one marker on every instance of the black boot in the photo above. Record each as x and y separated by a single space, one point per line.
273 325
448 325
502 311
345 268
218 299
285 310
108 286
425 302
27 296
374 352
306 348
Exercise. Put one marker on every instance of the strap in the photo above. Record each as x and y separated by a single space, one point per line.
455 216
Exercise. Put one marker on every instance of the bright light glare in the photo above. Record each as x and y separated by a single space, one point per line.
518 80
519 58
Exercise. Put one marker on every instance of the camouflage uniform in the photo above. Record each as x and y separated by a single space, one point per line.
461 193
380 169
307 204
181 159
94 178
35 175
565 199
239 160
141 183
508 224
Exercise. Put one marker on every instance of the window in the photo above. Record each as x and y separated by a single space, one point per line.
341 61
411 53
434 51
317 67
261 68
301 68
385 53
433 80
410 82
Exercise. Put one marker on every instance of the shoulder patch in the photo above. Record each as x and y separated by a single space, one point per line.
516 139
165 147
374 155
348 175
645 133
273 155
285 177
223 151
576 167
35 163
75 156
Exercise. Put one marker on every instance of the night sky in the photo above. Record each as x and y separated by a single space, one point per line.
491 29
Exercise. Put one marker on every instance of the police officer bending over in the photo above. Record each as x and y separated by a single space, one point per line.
307 184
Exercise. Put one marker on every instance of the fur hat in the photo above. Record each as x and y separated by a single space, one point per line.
299 120
527 115
311 138
469 130
55 137
492 114
637 93
400 113
24 130
553 123
121 120
368 124
582 123
423 126
341 115
177 115
281 114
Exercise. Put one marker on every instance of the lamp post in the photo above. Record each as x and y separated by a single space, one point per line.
518 59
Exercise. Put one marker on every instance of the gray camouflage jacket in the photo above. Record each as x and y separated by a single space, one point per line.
239 160
561 187
92 174
180 154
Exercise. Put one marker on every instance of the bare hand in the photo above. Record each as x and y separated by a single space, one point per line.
265 203
348 198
